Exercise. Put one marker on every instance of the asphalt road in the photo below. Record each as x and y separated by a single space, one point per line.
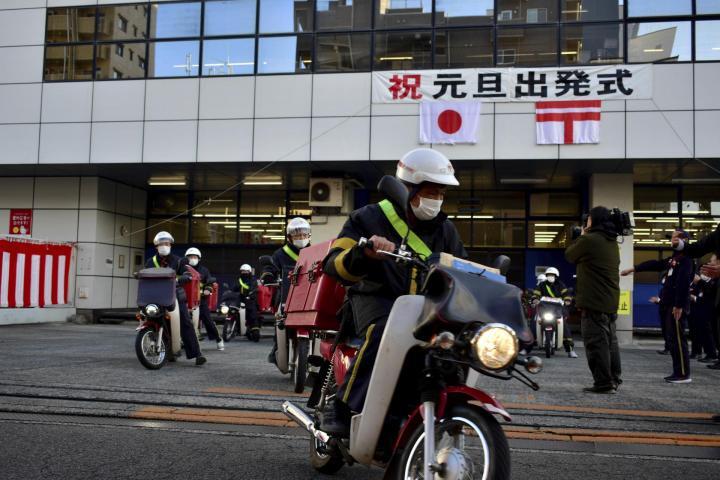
76 403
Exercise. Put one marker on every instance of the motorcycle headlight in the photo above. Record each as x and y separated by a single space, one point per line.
547 316
224 309
151 310
495 346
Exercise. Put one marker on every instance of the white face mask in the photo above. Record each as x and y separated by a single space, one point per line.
193 262
164 250
301 243
551 279
704 277
428 208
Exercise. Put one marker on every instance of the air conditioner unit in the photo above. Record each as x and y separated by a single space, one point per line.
326 192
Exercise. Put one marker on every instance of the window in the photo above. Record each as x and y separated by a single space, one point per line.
229 57
107 61
172 20
659 42
533 46
500 233
658 8
463 12
342 52
494 203
464 48
654 200
285 54
178 227
527 11
550 233
704 7
343 14
506 56
555 204
262 216
403 50
707 40
119 49
68 62
173 59
599 10
230 17
70 25
122 24
168 203
591 44
403 13
214 218
285 16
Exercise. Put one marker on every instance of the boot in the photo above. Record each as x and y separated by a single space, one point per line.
336 420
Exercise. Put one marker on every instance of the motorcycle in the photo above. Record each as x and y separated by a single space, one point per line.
420 418
158 337
234 310
549 321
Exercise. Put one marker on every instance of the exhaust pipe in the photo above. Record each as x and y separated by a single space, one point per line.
297 415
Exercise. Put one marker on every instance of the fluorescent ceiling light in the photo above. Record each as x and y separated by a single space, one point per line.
648 211
696 180
221 222
654 50
261 182
568 53
167 181
669 220
253 230
521 181
549 224
387 59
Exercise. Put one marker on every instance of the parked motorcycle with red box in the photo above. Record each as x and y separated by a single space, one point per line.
420 419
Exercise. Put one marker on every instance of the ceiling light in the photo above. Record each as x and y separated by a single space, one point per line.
262 182
654 50
568 53
167 181
521 181
648 211
549 224
696 180
388 59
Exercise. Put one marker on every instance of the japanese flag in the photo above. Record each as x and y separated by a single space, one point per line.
567 122
449 122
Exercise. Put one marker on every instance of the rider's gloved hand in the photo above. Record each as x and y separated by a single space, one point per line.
378 243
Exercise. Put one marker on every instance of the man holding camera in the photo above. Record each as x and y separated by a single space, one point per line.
597 256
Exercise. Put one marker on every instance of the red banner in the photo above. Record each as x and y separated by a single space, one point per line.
33 274
21 221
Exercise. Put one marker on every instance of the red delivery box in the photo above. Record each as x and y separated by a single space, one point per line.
265 298
192 288
315 297
213 298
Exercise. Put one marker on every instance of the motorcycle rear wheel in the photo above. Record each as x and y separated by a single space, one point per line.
302 350
451 437
144 341
323 462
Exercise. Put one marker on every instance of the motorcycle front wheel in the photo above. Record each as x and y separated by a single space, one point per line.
228 332
302 350
548 346
150 350
470 444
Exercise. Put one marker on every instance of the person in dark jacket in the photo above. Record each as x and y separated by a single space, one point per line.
702 315
298 235
553 287
597 257
247 288
165 259
194 256
373 280
675 301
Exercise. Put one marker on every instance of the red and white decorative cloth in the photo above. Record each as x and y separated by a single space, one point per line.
33 274
449 122
575 121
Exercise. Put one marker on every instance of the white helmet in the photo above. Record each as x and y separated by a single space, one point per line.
193 251
246 268
426 165
298 226
163 237
552 271
541 278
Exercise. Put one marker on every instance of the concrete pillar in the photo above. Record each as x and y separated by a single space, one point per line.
616 190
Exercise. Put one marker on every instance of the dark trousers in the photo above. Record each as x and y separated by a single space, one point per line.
207 321
568 341
252 319
678 343
702 331
663 328
601 347
187 330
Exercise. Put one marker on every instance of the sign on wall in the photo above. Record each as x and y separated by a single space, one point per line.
607 82
20 222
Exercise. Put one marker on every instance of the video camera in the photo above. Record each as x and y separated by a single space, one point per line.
620 223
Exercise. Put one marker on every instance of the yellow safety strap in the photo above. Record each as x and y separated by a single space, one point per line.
414 242
289 252
549 290
244 286
155 262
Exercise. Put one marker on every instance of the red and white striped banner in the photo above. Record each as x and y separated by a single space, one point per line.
33 274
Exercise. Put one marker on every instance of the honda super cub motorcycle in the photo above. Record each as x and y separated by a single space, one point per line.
158 337
234 311
549 321
420 418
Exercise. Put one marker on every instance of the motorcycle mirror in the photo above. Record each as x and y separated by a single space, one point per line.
395 191
533 365
265 261
502 263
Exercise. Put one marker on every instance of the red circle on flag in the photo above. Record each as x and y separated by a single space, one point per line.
449 121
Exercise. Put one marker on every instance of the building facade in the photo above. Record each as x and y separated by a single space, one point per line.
212 118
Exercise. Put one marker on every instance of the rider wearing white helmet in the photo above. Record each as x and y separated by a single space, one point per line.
194 256
555 288
374 281
165 259
247 286
540 279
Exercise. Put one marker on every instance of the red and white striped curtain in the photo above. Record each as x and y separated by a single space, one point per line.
33 274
